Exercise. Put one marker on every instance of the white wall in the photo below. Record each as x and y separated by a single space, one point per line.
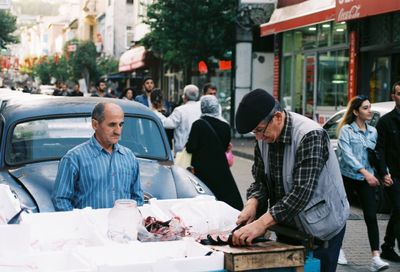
262 76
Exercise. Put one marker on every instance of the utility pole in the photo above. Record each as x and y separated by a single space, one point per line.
250 14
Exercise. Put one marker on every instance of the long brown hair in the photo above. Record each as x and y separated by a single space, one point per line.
349 116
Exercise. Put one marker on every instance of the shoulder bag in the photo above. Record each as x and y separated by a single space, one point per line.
228 153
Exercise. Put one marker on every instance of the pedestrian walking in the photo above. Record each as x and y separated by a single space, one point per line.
182 117
147 88
208 141
297 178
157 106
101 89
388 148
128 94
355 137
77 90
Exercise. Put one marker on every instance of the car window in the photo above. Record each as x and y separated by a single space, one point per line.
332 124
375 118
49 139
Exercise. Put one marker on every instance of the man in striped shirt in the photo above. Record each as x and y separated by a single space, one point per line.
98 171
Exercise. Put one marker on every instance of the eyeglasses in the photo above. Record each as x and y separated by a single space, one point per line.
267 120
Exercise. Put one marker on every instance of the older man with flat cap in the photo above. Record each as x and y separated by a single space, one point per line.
297 178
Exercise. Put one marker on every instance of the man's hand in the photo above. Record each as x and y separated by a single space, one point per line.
387 180
246 234
248 213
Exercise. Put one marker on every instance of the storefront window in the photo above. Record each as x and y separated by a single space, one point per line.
287 42
314 70
339 33
308 36
332 83
379 83
324 34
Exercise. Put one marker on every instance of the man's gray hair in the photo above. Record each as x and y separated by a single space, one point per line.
191 92
98 112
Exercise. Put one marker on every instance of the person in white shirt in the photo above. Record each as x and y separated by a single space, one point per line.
182 118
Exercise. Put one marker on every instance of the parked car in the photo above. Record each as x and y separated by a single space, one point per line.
37 132
378 109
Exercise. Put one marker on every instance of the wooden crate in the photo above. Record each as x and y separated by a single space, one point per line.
263 256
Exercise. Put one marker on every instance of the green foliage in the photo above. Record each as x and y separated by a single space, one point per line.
72 66
83 60
48 68
107 65
7 27
186 31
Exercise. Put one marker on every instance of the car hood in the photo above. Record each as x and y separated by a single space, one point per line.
38 180
159 181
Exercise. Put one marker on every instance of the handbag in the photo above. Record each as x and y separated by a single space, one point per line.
183 158
229 155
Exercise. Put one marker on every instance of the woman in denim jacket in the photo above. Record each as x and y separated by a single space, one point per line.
355 136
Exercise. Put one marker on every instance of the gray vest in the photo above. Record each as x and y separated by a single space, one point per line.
328 209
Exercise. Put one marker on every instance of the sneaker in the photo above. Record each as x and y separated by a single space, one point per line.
378 265
342 257
390 255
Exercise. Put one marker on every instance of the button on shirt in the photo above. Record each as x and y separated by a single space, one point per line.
89 176
352 147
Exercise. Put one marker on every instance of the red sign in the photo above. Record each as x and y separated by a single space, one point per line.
352 65
225 65
202 66
275 90
353 9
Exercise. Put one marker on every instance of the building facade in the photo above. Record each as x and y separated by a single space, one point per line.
328 51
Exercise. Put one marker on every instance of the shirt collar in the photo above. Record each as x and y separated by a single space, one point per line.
355 127
286 135
98 148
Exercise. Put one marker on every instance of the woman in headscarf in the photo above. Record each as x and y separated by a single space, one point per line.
209 138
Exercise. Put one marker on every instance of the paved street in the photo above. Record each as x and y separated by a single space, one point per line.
355 245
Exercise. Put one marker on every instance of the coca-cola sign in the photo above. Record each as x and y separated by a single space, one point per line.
353 9
352 13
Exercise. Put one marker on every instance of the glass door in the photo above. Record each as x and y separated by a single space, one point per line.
309 81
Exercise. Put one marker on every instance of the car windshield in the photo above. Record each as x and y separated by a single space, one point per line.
49 139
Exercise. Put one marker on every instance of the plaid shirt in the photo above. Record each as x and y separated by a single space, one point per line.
311 155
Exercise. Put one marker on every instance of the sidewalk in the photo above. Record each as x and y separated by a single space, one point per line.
355 243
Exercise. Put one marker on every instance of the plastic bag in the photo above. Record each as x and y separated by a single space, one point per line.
183 158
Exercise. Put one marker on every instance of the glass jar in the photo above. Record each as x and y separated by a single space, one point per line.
123 221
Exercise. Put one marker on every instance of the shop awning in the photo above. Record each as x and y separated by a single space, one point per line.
303 14
132 59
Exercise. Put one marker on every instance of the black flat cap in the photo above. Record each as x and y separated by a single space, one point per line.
253 108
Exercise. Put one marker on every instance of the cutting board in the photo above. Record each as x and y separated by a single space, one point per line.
263 255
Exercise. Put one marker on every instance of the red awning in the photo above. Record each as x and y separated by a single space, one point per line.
303 14
132 59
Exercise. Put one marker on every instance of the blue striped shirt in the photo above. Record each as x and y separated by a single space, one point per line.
89 176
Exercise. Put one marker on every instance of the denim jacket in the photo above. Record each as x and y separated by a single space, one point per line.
352 148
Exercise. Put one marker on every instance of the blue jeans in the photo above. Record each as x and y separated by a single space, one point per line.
329 256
